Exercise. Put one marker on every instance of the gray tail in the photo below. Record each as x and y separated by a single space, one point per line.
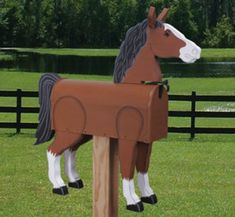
46 83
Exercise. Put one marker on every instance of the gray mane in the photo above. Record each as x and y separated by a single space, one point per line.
135 39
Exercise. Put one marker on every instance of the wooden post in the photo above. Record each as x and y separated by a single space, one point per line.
18 109
105 177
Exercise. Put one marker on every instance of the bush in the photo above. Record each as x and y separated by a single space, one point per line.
220 36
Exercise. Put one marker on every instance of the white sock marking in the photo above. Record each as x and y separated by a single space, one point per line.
54 170
129 192
70 165
143 184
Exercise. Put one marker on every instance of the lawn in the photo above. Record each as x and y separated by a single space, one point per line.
218 53
192 178
207 53
11 80
72 51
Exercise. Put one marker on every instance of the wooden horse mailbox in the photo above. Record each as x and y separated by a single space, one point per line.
132 111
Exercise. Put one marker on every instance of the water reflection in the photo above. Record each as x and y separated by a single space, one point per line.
34 62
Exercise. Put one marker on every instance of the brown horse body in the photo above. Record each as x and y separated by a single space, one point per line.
132 112
123 111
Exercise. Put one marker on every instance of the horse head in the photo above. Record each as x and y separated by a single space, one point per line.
149 39
166 41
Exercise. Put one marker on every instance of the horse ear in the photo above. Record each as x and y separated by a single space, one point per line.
152 17
162 16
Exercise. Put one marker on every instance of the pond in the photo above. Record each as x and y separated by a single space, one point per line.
34 62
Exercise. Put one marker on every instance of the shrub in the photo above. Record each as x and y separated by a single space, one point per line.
222 35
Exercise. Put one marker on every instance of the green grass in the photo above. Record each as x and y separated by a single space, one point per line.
207 53
192 178
11 80
72 51
218 53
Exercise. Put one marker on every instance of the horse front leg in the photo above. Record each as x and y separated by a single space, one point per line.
142 165
127 156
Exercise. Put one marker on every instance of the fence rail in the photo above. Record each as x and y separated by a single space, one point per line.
192 114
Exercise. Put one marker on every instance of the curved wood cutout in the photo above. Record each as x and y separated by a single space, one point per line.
129 123
69 115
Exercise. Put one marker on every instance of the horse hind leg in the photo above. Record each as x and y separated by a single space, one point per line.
127 156
70 163
142 165
63 141
70 169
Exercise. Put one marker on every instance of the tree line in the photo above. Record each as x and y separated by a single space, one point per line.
103 23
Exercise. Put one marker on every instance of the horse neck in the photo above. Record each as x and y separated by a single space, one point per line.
145 67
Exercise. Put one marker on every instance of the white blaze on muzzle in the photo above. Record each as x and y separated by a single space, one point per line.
190 52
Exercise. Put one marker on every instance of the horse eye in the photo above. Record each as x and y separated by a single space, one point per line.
167 33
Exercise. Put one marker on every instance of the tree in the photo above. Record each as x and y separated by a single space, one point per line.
103 23
3 25
123 15
220 36
181 17
93 23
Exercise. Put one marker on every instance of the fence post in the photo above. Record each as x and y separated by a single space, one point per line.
18 109
193 114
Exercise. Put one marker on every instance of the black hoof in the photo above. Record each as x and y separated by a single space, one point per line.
138 207
61 191
151 199
78 184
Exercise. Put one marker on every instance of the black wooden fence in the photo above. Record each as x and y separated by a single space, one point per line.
193 114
